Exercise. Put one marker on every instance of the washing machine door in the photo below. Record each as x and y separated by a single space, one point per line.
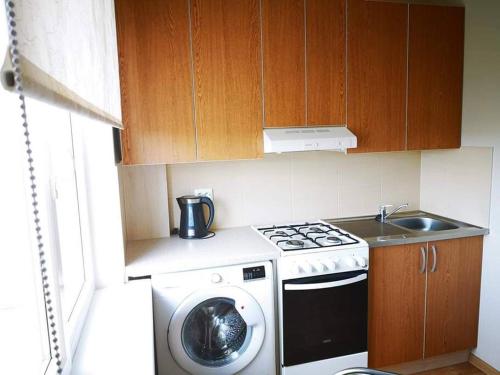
218 331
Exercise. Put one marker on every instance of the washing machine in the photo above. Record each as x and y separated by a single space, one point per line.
215 321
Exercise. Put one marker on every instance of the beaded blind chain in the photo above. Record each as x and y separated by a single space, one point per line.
18 82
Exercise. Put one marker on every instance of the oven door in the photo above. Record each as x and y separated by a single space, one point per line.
324 316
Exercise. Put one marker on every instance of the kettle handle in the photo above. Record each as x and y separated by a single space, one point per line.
211 208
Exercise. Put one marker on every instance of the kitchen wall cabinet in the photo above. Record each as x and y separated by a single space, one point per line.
201 78
435 73
325 62
304 62
155 80
403 309
227 75
191 80
376 74
283 40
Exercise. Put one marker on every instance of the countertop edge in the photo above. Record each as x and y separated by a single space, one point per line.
373 243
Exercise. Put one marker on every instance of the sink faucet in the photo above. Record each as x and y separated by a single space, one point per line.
383 215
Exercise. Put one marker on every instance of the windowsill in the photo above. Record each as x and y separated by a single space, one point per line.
118 334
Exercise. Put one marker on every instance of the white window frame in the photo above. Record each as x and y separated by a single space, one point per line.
70 330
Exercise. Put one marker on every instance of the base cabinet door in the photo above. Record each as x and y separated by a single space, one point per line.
396 304
454 281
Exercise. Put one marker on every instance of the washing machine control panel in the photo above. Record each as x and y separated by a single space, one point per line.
253 273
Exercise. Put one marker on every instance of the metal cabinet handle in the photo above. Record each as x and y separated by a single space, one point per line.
434 258
423 261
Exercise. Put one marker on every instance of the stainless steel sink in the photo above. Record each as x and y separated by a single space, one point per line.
424 224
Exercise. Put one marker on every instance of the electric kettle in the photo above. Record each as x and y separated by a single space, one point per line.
193 223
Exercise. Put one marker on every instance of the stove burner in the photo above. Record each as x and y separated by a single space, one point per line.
334 240
295 243
281 233
315 230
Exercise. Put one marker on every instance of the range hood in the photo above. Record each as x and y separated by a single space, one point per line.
334 138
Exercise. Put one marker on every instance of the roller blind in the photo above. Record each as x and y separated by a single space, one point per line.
68 56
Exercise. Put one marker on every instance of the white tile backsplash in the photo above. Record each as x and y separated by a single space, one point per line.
299 186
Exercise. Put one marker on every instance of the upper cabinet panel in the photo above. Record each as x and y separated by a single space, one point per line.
284 62
325 60
156 84
228 81
376 74
436 47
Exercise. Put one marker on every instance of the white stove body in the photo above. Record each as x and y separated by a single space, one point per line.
310 282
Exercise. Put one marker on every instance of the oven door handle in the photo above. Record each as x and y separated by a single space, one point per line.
332 284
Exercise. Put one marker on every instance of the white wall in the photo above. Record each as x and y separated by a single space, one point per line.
480 128
457 184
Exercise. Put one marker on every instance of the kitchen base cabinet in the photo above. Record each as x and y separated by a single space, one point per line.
423 300
453 295
395 305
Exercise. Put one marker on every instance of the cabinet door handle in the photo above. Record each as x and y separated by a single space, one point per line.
423 261
434 258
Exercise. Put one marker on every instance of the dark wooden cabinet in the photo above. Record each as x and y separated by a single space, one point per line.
453 295
435 74
376 74
396 305
227 75
156 84
404 307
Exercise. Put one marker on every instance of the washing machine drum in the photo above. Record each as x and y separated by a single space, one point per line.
219 331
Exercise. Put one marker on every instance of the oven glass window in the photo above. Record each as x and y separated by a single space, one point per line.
324 322
214 333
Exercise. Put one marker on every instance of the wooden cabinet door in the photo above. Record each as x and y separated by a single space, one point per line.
228 80
435 71
376 74
396 304
156 82
453 295
325 60
283 34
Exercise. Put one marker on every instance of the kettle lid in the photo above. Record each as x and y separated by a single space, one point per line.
189 199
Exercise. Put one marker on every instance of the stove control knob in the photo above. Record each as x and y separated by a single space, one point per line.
361 261
305 267
318 266
350 262
330 264
294 268
216 278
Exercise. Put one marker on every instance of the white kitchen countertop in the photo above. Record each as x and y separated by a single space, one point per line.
228 247
118 336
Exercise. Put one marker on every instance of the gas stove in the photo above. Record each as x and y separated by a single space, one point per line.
322 272
299 238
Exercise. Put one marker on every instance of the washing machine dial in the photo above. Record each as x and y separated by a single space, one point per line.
216 278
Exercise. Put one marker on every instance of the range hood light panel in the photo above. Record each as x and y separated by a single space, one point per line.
331 138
